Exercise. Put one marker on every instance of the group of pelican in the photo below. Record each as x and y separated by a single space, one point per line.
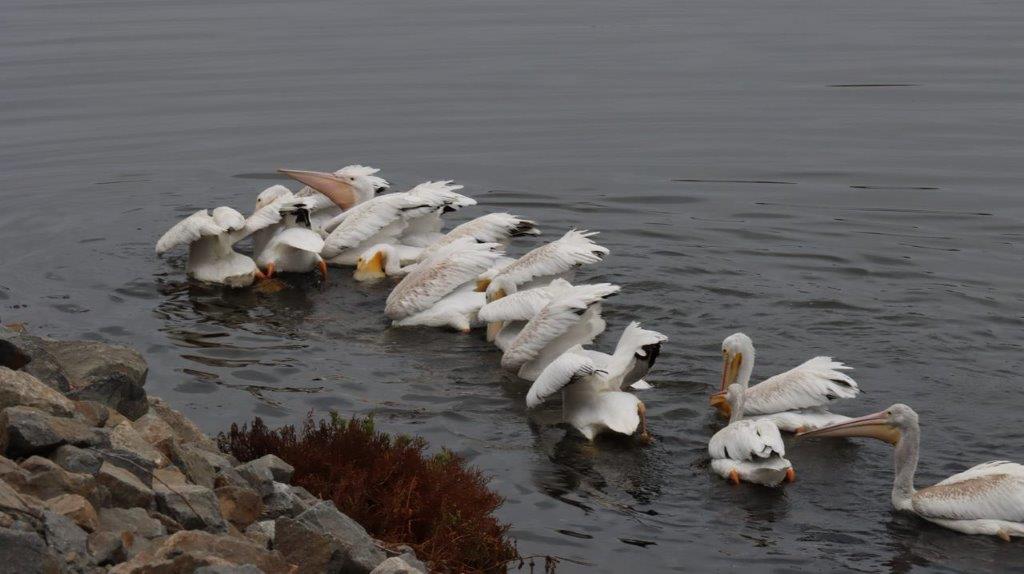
545 324
985 499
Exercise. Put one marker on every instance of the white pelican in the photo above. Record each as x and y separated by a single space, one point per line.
439 291
570 319
294 248
346 187
541 265
591 399
749 450
211 239
635 354
386 218
795 400
985 499
506 315
389 260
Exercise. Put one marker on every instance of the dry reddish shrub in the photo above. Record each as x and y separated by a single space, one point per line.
436 504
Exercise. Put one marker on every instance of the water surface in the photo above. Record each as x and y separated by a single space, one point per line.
830 177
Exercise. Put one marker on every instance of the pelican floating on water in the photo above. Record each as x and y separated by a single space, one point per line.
389 219
211 239
749 450
557 259
391 260
343 189
570 319
439 291
985 499
294 248
591 399
795 400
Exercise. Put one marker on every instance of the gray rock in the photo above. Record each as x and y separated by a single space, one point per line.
63 536
396 565
11 499
190 550
22 389
240 506
324 539
108 374
20 351
283 500
92 413
185 431
134 520
130 461
191 460
261 532
259 476
280 471
75 459
26 553
123 488
106 548
124 437
194 507
243 569
46 480
77 508
26 431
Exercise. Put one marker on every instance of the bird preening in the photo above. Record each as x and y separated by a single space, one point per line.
545 324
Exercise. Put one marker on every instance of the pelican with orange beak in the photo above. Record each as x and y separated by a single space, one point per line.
794 400
336 192
986 499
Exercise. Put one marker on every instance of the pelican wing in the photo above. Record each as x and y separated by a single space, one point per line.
747 440
555 319
563 371
188 230
572 249
815 383
490 228
369 218
523 305
301 238
993 490
438 276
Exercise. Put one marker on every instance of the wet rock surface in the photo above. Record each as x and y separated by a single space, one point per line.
97 477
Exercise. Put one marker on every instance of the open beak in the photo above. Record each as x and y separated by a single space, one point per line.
371 269
719 402
337 189
872 426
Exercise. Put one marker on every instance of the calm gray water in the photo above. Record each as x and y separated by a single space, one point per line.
830 177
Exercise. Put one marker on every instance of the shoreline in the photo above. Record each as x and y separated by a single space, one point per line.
98 476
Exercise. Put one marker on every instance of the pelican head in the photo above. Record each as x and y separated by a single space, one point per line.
272 193
371 264
737 357
341 190
362 178
888 425
494 289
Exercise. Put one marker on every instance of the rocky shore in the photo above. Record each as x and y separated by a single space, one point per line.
96 476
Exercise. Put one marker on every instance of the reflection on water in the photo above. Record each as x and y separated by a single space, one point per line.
831 178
